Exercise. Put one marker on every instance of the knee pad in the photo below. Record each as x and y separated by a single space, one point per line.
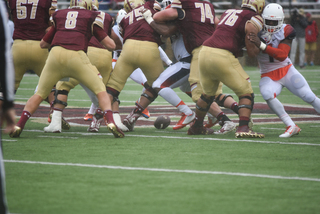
221 102
152 91
309 97
297 81
116 99
251 98
208 101
113 92
57 92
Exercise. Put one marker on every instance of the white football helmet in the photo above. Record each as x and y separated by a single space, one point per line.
273 17
120 15
95 5
256 5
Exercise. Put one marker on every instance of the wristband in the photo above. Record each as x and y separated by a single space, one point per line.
149 19
263 46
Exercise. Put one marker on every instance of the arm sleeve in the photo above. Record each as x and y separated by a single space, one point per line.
280 53
164 57
99 33
49 36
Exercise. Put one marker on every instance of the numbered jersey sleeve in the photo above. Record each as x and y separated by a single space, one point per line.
135 27
73 28
197 24
230 32
31 17
105 21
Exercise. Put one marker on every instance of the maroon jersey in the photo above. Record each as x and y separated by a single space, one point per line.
31 18
73 28
197 25
108 22
134 26
230 32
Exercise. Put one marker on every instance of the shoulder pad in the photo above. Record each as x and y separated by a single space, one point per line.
289 32
100 19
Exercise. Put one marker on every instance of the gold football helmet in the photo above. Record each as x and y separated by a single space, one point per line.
95 5
129 5
256 5
86 4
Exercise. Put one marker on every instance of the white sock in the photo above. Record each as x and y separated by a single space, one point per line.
93 109
277 107
171 97
55 124
316 104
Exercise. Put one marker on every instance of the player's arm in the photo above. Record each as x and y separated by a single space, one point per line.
116 39
282 51
166 29
47 39
103 38
253 26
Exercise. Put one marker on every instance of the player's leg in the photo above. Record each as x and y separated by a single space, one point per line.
298 85
152 66
139 77
269 90
48 79
175 76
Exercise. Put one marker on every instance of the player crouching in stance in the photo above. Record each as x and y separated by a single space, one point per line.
276 68
67 58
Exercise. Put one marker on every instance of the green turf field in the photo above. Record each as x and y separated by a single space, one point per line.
163 171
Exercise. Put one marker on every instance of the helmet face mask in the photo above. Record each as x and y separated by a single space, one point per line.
165 3
273 17
255 5
95 5
85 4
129 5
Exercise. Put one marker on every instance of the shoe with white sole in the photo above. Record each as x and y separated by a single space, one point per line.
227 127
95 124
291 130
117 133
119 124
184 120
56 125
211 121
131 119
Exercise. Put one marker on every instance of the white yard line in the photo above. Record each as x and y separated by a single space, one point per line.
167 170
256 140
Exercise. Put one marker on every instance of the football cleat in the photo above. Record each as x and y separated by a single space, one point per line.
16 132
211 122
145 113
290 131
88 117
95 124
117 133
131 119
64 124
200 131
227 127
119 124
245 132
184 120
55 125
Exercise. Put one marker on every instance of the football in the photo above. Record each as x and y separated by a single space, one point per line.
162 122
